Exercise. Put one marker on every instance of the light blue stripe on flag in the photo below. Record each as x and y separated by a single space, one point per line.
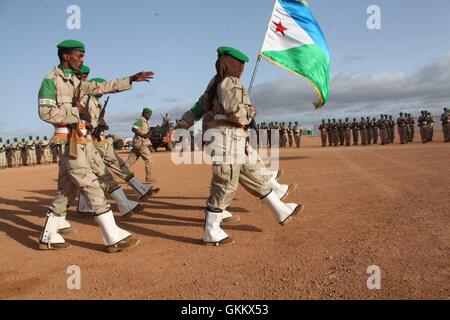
303 16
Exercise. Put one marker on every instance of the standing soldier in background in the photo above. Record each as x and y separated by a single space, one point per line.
341 132
401 125
382 126
392 128
30 152
23 152
298 134
8 153
335 133
411 125
39 151
347 132
291 134
45 151
369 130
430 121
142 144
323 133
374 131
329 133
355 129
3 161
283 136
445 119
423 125
15 153
363 130
54 151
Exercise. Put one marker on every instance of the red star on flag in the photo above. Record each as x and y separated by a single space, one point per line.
280 28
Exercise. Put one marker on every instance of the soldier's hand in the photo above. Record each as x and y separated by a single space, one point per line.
142 76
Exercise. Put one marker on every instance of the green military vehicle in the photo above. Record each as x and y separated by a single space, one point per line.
159 132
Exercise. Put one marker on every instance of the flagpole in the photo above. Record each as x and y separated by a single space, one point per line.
254 75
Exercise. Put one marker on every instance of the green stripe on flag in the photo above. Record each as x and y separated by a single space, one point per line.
307 61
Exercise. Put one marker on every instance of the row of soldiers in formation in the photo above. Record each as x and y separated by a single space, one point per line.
341 132
289 134
26 153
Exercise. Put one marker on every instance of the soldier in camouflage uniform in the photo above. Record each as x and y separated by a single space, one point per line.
45 151
401 125
363 131
323 133
382 126
3 161
392 128
8 153
290 131
430 121
329 133
369 130
23 152
297 134
347 132
229 101
411 126
30 148
335 133
374 131
60 105
142 144
445 119
423 125
341 132
355 129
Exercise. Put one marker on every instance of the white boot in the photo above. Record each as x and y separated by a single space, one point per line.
64 226
125 206
282 212
228 217
114 238
277 174
50 238
213 234
142 189
281 190
83 206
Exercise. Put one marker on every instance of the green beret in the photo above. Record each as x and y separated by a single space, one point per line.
98 80
147 110
232 52
71 44
85 70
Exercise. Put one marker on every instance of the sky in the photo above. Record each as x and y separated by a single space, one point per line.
404 66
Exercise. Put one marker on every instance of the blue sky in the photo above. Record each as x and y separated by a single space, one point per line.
177 39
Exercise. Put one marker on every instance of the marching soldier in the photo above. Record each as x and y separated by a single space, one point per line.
45 151
23 152
355 129
323 133
401 125
369 131
341 132
392 129
298 134
142 144
30 151
3 161
445 119
9 155
374 131
347 132
60 105
335 133
39 151
227 98
283 136
363 131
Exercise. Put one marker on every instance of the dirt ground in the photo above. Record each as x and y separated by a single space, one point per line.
375 205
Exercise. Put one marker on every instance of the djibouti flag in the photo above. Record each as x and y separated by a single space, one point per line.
295 42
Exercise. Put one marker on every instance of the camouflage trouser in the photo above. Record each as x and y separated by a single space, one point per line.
430 133
31 157
330 138
283 141
341 138
298 139
74 175
3 162
403 134
363 137
375 136
369 136
383 136
226 179
323 136
55 154
113 161
291 140
335 137
98 167
355 137
392 134
411 133
348 138
145 153
446 132
423 133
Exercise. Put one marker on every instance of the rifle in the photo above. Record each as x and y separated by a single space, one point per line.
101 128
75 132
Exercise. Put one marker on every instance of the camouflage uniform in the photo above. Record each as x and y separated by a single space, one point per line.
3 161
31 152
363 131
411 126
382 126
347 132
290 134
423 125
298 134
341 132
141 148
369 131
329 133
355 129
445 119
323 133
374 131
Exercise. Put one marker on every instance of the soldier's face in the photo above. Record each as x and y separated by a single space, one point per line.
75 59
